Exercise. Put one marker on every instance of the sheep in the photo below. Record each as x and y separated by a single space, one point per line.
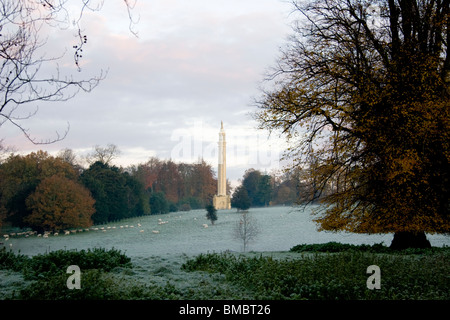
205 225
45 235
121 227
139 225
55 234
141 231
155 231
66 232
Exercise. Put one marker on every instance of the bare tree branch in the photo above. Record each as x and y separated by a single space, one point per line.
22 77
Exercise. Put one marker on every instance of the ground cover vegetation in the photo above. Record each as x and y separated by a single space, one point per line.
331 276
320 272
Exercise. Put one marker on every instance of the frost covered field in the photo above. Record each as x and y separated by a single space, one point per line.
183 233
158 245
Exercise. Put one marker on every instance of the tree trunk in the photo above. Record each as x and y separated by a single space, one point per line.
405 240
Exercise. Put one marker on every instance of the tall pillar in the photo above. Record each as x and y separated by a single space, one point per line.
222 200
222 167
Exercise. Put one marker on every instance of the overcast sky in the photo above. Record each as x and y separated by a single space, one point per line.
194 64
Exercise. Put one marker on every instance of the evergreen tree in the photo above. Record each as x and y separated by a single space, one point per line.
117 194
211 213
240 199
159 203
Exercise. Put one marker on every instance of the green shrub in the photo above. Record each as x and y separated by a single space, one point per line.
375 248
9 260
95 285
55 262
333 276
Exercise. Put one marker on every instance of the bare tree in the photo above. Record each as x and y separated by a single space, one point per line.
246 229
103 154
24 72
5 151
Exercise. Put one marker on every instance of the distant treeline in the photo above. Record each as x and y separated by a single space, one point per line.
259 189
44 192
49 193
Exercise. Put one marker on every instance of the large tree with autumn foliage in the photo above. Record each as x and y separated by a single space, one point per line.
59 203
21 175
362 94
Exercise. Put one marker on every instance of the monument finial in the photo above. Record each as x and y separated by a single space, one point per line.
221 124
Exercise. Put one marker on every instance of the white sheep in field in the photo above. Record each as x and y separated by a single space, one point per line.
205 225
66 232
141 230
139 225
155 231
55 234
45 235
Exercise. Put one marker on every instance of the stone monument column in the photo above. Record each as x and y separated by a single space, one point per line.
222 200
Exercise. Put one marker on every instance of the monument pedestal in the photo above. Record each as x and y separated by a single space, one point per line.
222 202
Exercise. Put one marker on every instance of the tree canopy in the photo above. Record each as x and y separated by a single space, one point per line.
59 203
361 92
21 175
38 190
